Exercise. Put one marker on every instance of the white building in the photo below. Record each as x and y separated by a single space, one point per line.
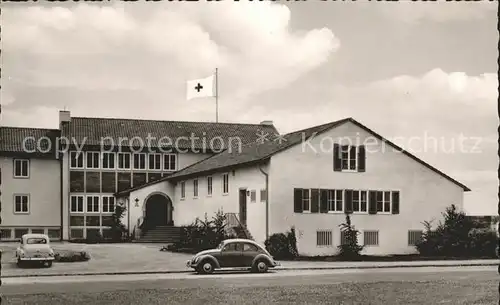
306 179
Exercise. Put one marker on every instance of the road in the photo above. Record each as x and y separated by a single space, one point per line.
445 285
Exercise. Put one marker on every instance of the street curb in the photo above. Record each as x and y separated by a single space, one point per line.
277 269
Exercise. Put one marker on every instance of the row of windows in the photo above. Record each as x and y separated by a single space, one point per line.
111 160
92 204
224 186
6 233
370 238
340 201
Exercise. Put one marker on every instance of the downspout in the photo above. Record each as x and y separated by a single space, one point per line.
130 230
61 191
267 200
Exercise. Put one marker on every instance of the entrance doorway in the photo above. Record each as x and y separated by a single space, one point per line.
243 206
158 211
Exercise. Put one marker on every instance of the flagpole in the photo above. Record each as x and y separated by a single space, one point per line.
216 96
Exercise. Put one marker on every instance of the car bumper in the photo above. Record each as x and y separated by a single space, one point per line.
50 258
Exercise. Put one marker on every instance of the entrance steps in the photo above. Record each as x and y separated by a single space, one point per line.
161 234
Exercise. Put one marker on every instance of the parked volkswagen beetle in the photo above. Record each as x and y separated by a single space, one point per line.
233 253
35 248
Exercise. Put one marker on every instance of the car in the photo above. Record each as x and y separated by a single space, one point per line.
233 253
35 248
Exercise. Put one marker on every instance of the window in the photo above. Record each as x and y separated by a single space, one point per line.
108 204
76 204
92 204
306 200
349 158
384 202
335 200
324 238
225 183
21 168
263 195
21 204
414 237
108 160
359 201
124 160
195 188
155 161
170 162
76 159
54 233
209 186
183 190
370 238
139 161
253 196
93 159
249 248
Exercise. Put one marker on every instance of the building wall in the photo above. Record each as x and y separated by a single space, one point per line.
188 209
424 194
43 188
102 182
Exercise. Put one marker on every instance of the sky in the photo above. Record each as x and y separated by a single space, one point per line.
420 73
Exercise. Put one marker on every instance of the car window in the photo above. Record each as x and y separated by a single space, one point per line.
230 247
249 248
38 241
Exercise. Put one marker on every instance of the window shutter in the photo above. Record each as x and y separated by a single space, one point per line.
314 201
323 206
297 200
337 166
372 202
348 201
361 158
395 203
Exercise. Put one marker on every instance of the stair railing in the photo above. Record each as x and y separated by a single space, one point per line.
232 221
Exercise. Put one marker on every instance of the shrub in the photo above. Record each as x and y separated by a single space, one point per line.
282 245
72 256
94 237
202 234
118 230
350 248
457 236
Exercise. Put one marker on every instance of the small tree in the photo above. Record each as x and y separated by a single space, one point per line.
349 247
117 228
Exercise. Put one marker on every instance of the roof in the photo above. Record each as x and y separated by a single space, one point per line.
258 152
207 136
253 152
25 140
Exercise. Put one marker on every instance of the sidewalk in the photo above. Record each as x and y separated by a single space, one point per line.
72 269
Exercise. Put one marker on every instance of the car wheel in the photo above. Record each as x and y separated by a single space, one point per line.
260 266
206 267
47 264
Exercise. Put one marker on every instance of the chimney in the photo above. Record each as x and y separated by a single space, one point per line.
64 117
267 123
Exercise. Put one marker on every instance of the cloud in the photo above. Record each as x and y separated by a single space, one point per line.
440 11
152 52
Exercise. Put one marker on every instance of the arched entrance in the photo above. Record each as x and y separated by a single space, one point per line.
158 211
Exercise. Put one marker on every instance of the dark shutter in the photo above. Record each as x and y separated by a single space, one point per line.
361 158
348 202
395 203
297 200
314 201
372 202
323 203
337 166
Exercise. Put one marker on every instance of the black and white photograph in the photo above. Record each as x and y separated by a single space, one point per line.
249 152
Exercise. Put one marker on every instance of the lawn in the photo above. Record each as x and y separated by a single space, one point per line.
379 293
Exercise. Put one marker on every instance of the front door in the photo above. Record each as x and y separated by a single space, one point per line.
157 211
243 207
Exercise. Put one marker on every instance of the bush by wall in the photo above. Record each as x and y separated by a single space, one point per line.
349 249
457 236
72 256
282 245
